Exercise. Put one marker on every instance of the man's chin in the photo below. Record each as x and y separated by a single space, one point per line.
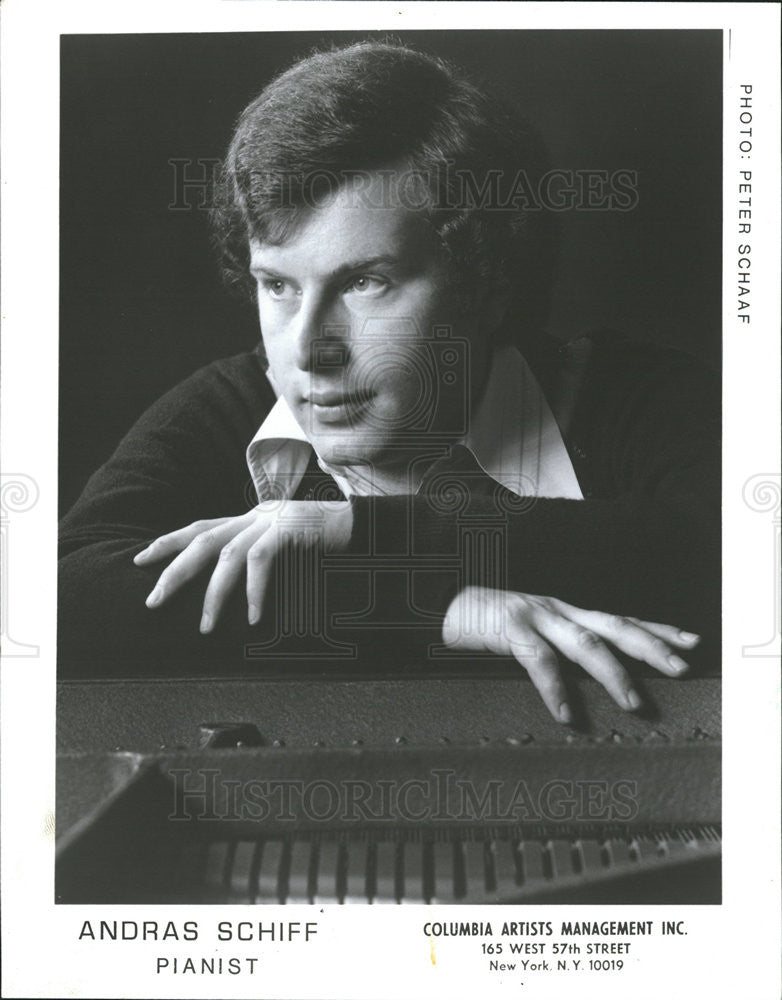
348 450
387 460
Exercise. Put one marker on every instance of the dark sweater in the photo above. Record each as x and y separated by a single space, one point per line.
642 427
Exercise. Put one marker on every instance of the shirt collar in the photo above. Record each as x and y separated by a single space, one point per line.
513 436
278 454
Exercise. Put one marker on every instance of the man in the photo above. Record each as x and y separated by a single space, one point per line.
416 447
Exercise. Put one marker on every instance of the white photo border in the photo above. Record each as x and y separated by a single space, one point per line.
726 946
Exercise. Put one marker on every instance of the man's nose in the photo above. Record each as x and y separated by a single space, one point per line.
322 338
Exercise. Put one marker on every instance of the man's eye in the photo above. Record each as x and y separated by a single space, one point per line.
277 289
364 284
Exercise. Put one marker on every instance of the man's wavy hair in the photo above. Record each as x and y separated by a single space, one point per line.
377 105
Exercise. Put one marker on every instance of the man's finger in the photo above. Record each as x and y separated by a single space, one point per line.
188 564
540 662
297 544
606 622
634 637
669 633
175 541
230 567
629 636
585 647
259 562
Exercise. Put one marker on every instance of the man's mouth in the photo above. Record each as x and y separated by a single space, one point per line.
333 406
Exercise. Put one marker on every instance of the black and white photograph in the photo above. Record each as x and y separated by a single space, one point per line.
440 546
393 389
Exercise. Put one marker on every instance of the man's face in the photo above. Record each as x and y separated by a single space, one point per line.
363 333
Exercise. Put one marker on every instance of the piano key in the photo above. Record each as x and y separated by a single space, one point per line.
591 855
385 872
646 849
218 857
663 843
561 853
532 861
299 872
689 838
241 873
412 873
504 865
677 845
474 867
356 872
326 878
269 888
619 850
443 876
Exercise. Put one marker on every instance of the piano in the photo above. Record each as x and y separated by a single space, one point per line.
385 786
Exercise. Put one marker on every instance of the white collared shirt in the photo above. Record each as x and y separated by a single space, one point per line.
513 436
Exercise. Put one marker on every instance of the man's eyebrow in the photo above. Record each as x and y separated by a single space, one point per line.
348 267
256 268
367 264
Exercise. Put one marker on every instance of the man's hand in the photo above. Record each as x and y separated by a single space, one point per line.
534 629
247 544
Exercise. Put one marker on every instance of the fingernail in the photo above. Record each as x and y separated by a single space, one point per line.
633 699
677 664
206 623
688 636
564 714
253 614
155 597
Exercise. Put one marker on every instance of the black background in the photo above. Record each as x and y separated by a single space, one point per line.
142 303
